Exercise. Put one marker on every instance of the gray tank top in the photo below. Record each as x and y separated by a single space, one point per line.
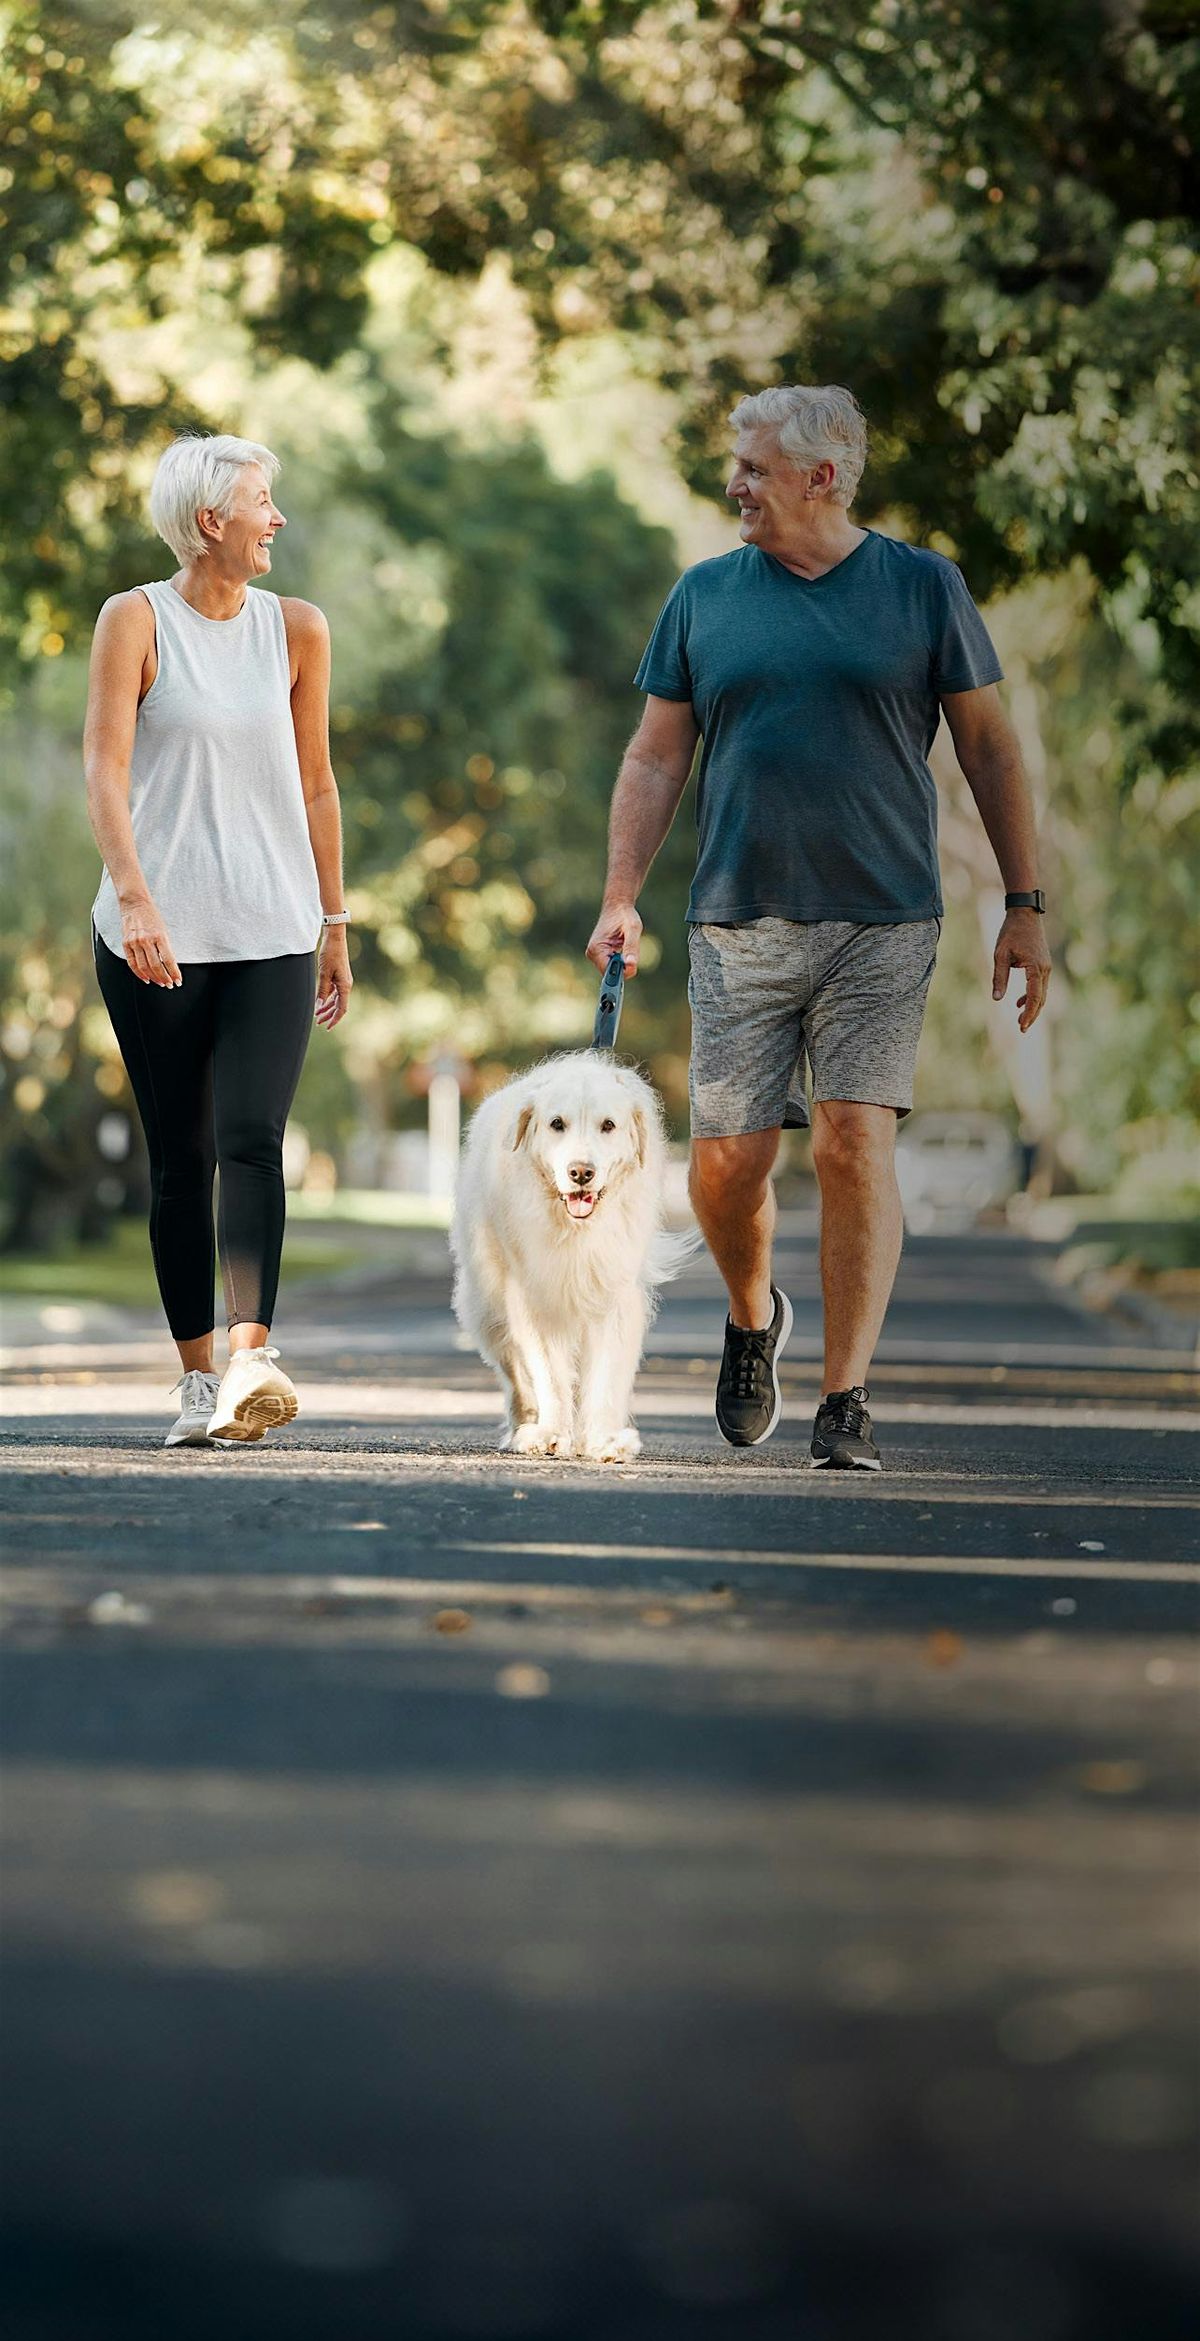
214 789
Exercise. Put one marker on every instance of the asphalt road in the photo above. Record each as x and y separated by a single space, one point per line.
700 1899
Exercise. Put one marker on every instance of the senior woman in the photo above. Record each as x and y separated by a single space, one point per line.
214 805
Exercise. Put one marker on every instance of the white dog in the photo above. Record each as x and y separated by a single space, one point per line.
559 1250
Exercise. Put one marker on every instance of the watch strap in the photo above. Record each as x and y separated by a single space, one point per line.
1035 900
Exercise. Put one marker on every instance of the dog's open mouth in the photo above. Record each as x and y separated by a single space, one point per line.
580 1201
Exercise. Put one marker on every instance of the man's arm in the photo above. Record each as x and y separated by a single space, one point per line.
987 749
651 781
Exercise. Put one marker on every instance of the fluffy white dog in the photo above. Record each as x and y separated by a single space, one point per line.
559 1250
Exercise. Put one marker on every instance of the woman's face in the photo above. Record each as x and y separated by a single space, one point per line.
242 537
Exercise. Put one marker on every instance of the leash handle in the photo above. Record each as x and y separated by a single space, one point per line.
608 1012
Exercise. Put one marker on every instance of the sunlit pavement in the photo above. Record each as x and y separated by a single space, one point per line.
698 1899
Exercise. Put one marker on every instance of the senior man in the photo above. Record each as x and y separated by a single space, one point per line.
815 660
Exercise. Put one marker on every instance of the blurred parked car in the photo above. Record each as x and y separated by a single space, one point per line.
950 1167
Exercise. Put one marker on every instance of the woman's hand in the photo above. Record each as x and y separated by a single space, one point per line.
334 980
147 945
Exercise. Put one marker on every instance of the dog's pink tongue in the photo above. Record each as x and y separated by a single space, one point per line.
581 1206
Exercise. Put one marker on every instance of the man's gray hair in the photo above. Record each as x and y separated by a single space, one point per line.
199 474
823 425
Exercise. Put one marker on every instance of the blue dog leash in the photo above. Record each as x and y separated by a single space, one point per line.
608 1012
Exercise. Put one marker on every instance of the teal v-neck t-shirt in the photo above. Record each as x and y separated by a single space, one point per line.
818 700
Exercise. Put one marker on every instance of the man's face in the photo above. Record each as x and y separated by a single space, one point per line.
772 496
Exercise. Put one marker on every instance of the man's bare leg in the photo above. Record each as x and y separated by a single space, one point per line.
734 1201
862 1227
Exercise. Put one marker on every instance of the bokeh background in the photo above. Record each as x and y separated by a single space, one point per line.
488 275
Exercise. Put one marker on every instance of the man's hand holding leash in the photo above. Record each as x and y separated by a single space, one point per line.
618 928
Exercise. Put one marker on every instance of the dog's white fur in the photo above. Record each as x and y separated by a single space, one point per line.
556 1296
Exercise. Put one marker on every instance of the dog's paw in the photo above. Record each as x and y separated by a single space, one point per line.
610 1446
537 1438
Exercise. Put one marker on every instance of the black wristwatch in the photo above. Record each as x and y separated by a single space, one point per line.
1034 901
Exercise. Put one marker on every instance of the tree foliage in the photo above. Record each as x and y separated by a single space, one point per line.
979 213
108 187
477 764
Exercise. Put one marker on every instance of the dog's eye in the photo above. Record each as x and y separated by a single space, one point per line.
558 1123
607 1126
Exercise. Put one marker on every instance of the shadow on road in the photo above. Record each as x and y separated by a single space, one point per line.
704 1902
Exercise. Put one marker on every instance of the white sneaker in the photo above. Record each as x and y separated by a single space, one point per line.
255 1396
199 1396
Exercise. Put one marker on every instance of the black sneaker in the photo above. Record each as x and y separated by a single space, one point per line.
749 1399
842 1433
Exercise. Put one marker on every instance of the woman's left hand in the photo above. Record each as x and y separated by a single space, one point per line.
334 982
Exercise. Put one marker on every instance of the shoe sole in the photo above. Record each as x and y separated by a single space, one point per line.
780 1346
849 1463
196 1437
256 1414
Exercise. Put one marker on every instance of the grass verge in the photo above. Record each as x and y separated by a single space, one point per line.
327 1235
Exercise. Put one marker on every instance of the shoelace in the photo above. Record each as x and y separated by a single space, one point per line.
846 1410
750 1359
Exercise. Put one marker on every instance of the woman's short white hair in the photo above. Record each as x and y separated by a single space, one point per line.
199 474
825 425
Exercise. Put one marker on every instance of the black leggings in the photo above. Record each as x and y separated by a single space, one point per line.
213 1067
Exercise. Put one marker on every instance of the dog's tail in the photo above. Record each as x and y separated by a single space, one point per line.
669 1254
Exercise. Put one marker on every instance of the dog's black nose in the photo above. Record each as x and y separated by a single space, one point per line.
581 1174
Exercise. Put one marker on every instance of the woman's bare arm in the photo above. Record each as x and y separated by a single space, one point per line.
309 654
121 670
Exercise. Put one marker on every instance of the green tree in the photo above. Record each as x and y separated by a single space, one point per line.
489 616
979 215
477 767
108 195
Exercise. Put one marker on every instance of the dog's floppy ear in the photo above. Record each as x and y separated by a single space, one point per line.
522 1131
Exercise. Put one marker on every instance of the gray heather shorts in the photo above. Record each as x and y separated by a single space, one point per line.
771 994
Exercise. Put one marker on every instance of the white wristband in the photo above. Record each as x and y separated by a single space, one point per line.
335 918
